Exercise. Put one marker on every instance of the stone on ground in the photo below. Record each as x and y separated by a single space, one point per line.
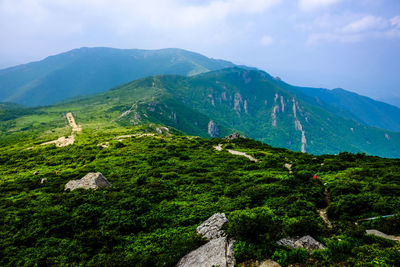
212 227
306 242
217 252
219 249
91 180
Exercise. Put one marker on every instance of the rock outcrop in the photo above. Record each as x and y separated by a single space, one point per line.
213 130
92 180
212 227
306 242
234 136
217 252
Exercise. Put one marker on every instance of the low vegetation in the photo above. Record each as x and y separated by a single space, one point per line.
164 186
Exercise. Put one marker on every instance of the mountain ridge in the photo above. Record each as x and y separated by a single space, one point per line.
215 104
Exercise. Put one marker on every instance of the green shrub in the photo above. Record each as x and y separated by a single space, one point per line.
254 225
299 255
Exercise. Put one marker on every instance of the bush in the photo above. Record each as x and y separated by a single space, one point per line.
299 255
281 257
254 225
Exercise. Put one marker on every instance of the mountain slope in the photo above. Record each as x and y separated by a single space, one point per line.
90 70
164 187
362 108
215 104
86 71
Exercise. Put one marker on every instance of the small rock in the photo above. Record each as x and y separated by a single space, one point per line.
306 242
212 227
92 180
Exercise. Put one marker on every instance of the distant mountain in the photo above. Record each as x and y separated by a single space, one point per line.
91 70
362 108
392 100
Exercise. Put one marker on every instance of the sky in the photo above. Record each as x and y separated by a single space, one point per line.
350 44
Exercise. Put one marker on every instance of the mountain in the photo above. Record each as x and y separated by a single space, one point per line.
364 109
217 103
87 71
393 100
91 70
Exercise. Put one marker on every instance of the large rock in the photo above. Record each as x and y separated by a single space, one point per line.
212 227
92 180
306 242
217 252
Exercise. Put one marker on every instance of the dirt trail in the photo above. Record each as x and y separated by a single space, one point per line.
235 152
322 212
66 141
383 235
72 123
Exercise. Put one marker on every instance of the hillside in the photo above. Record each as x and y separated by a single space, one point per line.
91 70
164 185
366 110
87 71
215 104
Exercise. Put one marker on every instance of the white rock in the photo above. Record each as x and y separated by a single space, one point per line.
92 180
212 227
217 252
306 242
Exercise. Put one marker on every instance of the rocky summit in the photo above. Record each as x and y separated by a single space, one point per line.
91 180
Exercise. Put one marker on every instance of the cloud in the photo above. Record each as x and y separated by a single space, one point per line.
310 5
127 18
365 24
356 30
267 40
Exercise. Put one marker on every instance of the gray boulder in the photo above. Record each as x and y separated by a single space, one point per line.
306 242
217 252
92 180
212 227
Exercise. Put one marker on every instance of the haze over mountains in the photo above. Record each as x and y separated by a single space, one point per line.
91 70
198 96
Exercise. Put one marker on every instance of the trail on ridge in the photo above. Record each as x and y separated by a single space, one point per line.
66 141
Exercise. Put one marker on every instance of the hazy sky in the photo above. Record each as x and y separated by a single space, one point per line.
353 44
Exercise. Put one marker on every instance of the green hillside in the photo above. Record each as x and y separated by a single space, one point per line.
164 185
211 105
364 109
91 70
